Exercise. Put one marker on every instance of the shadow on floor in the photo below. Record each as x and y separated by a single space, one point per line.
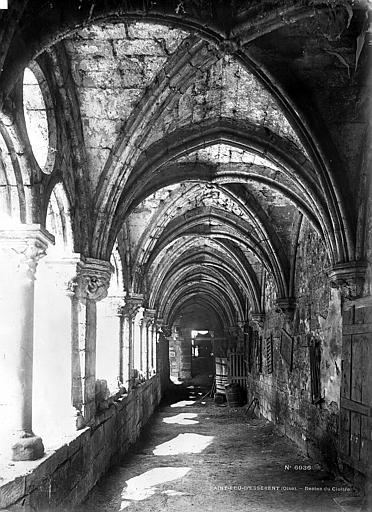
195 455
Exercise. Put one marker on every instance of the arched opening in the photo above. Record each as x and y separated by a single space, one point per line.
39 117
110 355
214 160
53 415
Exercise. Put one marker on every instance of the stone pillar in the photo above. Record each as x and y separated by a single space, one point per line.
157 328
162 354
126 357
145 348
91 284
149 318
133 304
109 342
54 332
153 347
121 341
137 342
142 346
21 249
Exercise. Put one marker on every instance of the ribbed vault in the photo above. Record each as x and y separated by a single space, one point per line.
178 148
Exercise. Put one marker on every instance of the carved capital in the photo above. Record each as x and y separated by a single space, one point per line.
149 316
27 244
29 258
115 304
286 306
258 320
159 323
349 278
133 303
93 279
64 270
167 330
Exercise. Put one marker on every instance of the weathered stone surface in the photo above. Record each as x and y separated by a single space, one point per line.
285 395
12 491
198 145
28 448
66 476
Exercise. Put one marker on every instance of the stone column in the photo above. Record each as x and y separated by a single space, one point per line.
121 341
91 284
149 318
137 342
144 348
21 249
157 329
109 342
162 354
126 357
132 306
153 347
55 334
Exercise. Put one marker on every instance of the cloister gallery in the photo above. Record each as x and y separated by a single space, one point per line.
170 168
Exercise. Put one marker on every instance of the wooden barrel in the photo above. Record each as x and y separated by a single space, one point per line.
221 375
234 395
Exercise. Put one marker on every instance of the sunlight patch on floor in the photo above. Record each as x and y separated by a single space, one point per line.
183 403
144 486
184 418
184 443
171 492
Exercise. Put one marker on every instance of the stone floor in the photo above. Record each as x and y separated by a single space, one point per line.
203 457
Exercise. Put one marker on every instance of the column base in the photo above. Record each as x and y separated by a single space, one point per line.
28 448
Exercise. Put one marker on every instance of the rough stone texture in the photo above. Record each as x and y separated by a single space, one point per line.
213 95
285 395
276 78
247 466
111 66
64 477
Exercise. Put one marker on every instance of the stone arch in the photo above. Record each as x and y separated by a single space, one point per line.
13 200
38 118
251 138
226 261
58 219
259 225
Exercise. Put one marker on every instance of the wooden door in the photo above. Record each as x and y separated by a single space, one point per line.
356 386
237 368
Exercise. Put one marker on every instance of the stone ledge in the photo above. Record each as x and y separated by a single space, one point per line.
74 468
32 473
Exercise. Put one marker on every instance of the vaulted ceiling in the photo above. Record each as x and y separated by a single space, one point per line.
198 141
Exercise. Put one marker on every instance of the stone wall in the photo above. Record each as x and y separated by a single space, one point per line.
285 395
65 476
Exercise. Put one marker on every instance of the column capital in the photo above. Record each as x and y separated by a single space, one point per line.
286 306
167 331
117 304
28 243
258 319
65 269
349 278
92 279
149 316
159 322
133 303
